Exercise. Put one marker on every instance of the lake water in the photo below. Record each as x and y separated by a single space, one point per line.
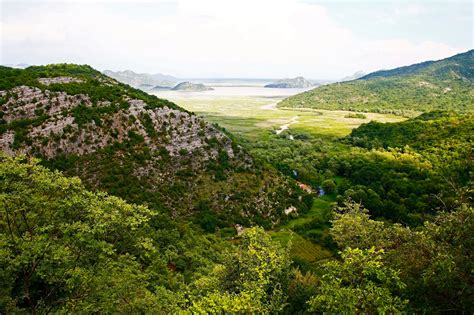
223 90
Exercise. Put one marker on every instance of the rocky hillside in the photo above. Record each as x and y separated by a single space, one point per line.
446 84
295 83
191 87
137 146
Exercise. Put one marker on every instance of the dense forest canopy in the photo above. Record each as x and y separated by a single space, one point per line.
65 249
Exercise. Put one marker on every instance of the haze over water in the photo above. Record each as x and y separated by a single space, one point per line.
231 89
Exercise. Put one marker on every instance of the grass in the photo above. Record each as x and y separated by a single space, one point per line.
321 206
250 117
302 250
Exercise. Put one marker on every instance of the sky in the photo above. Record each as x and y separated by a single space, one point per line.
235 38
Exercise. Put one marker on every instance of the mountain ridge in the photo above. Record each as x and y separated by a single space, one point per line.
139 79
192 87
446 84
298 82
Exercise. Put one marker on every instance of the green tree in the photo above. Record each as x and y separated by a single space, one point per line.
301 288
251 280
360 283
435 260
64 248
329 186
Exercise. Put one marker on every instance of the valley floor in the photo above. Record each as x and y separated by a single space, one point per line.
253 116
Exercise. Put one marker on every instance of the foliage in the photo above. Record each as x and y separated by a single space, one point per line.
435 261
301 288
329 186
65 249
252 280
443 138
359 284
355 115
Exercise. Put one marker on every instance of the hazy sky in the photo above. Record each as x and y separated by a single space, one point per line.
235 38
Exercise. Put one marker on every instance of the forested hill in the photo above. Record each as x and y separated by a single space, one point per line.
443 138
139 147
446 84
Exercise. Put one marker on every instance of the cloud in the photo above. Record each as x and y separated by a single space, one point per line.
246 38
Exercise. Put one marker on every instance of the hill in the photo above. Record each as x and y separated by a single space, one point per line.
140 80
446 84
158 88
298 82
136 146
443 138
191 87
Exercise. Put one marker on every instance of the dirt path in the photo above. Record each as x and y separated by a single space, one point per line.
287 125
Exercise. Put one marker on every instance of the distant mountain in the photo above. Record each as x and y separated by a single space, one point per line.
145 87
191 87
136 146
298 82
139 80
446 84
18 65
355 76
159 88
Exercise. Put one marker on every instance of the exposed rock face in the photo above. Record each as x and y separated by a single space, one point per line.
298 82
59 80
191 87
29 102
182 131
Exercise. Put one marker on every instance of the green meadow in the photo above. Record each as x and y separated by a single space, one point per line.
252 117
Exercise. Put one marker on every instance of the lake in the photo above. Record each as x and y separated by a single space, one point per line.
231 89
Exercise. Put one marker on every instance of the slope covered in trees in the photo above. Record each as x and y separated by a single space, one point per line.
446 84
403 172
412 168
139 147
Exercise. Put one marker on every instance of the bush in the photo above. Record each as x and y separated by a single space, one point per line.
356 115
329 186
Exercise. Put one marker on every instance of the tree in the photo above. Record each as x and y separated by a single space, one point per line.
435 261
64 248
251 280
329 186
353 227
301 288
360 283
